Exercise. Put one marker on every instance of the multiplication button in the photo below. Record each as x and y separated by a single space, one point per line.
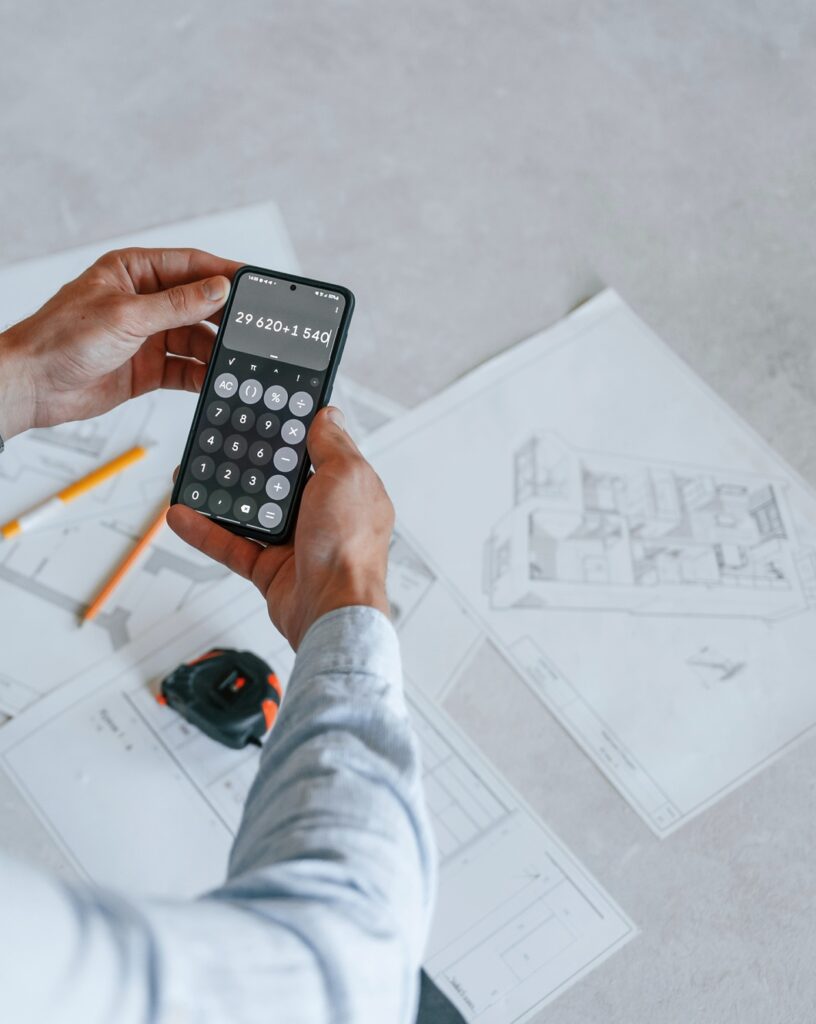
225 385
293 432
194 495
270 515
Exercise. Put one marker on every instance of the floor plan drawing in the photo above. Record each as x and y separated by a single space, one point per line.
48 577
636 552
103 765
607 531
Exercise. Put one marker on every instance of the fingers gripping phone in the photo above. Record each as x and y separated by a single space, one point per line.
273 365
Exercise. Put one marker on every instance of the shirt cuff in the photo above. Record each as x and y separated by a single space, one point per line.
357 638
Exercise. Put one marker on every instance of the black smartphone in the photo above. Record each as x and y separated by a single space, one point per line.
273 365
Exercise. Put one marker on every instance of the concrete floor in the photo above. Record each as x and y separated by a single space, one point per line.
438 157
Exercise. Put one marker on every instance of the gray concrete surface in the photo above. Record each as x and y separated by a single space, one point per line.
424 153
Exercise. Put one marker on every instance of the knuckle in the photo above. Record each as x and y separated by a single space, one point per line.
177 299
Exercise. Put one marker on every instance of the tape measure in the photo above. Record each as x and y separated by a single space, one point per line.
231 696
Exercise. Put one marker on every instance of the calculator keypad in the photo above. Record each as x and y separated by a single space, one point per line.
244 460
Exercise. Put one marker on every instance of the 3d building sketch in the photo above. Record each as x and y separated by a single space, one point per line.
608 531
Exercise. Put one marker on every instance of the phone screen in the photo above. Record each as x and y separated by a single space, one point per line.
271 370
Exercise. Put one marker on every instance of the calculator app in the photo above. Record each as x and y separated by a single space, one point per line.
247 454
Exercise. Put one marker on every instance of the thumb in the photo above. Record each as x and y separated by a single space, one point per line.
181 305
328 437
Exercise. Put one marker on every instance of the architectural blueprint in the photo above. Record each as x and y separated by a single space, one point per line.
636 551
105 766
47 577
518 919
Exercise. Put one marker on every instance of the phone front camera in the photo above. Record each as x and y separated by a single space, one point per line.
292 287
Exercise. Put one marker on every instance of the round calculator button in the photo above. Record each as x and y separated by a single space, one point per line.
217 413
235 446
243 419
252 481
226 384
275 397
244 509
251 391
194 495
293 432
202 467
301 403
260 452
277 487
268 425
285 459
209 440
227 474
270 515
220 503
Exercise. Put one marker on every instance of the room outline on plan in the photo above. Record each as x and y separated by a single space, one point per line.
604 531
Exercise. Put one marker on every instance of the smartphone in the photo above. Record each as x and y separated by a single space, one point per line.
272 367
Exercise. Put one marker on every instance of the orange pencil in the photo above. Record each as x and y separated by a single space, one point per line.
125 567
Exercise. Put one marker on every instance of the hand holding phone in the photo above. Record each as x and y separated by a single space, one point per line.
273 365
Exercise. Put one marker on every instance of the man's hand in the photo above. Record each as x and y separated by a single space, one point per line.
130 323
339 554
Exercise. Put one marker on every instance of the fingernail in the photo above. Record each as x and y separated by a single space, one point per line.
216 289
337 418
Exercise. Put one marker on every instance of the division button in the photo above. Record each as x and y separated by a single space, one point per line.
235 446
277 487
217 413
285 459
194 495
220 503
209 440
268 425
251 391
293 432
226 384
301 403
243 419
202 467
270 515
275 397
227 474
260 452
244 509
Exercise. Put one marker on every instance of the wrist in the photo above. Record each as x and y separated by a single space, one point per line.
17 399
348 590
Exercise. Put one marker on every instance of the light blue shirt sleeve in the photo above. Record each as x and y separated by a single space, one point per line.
325 911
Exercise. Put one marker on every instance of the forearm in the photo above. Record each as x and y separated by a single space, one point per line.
335 841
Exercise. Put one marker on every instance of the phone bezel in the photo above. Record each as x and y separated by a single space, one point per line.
282 535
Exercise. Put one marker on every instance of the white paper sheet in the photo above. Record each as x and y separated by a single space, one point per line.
638 553
140 800
104 766
47 577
